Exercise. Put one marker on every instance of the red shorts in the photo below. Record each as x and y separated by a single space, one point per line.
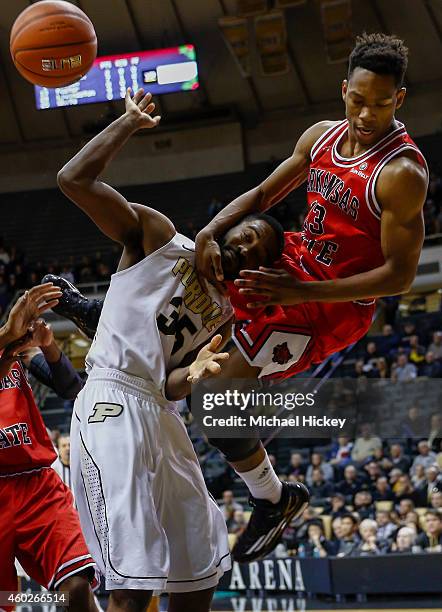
40 527
285 340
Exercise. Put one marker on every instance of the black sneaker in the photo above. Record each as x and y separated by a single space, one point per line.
74 306
268 521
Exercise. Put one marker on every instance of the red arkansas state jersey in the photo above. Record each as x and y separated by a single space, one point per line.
341 233
24 442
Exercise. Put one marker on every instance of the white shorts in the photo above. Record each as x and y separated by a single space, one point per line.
145 511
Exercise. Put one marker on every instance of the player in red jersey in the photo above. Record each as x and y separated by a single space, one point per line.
362 237
39 524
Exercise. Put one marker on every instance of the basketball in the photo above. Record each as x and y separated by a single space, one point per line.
53 43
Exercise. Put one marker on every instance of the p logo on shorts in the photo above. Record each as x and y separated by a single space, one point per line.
103 410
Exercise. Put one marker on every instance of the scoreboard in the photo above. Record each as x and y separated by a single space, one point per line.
160 71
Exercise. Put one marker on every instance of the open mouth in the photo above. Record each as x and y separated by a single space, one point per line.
365 131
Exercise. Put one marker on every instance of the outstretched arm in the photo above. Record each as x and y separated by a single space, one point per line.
122 221
401 192
287 176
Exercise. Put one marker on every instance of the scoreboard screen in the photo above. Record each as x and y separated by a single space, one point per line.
161 71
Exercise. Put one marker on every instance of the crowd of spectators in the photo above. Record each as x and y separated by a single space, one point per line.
366 498
401 355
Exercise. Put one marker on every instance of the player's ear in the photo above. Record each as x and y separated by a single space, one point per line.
344 88
400 97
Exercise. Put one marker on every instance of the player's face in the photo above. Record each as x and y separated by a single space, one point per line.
371 101
247 246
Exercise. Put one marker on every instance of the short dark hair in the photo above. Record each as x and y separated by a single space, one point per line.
274 224
380 53
350 516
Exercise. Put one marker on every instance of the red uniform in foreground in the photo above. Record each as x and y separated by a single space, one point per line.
38 522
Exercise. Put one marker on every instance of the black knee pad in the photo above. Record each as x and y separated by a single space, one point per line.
236 449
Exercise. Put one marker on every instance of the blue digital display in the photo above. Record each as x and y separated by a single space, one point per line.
161 71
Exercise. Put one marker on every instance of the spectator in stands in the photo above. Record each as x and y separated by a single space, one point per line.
398 458
348 540
383 370
433 481
296 466
229 504
336 528
366 444
403 370
371 353
394 475
389 339
405 506
426 456
418 478
369 544
412 520
382 491
404 490
404 541
436 345
373 472
337 502
414 425
417 351
316 544
340 454
320 490
430 367
431 539
238 524
4 255
317 461
308 516
435 437
363 505
436 499
386 527
350 485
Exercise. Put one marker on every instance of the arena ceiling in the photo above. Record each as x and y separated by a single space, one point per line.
132 25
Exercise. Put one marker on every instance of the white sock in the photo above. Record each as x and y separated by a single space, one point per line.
262 481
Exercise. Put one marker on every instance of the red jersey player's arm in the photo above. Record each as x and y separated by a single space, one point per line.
136 227
287 176
401 191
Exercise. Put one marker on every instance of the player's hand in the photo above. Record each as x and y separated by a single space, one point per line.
30 306
272 285
140 108
208 261
41 334
207 361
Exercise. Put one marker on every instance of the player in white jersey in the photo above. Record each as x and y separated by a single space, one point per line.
144 508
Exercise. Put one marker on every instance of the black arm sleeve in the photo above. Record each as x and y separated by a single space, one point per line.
60 376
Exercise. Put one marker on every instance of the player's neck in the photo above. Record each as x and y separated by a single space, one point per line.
352 148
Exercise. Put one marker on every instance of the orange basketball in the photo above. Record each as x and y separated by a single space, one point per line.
53 43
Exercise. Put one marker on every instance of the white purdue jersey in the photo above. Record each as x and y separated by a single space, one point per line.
155 312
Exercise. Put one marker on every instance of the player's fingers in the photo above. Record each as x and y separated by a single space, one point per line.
38 292
138 96
260 304
149 108
271 270
145 102
215 342
128 94
47 306
213 367
221 357
260 291
256 274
